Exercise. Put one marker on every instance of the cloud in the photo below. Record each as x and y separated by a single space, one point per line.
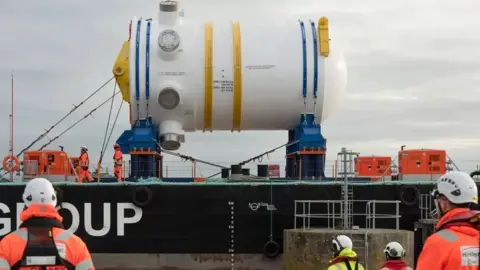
414 72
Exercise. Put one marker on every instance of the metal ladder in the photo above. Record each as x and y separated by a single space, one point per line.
347 171
349 204
360 246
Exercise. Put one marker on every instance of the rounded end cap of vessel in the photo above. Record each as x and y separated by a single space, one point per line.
335 81
168 6
169 98
170 142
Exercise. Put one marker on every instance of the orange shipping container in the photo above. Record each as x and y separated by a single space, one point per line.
373 166
273 170
74 161
422 162
46 162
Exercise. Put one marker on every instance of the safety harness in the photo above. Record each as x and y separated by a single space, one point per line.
347 264
41 253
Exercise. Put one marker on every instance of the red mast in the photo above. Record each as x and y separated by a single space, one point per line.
11 129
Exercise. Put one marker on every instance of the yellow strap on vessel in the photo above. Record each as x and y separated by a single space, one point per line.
323 37
237 77
208 102
120 71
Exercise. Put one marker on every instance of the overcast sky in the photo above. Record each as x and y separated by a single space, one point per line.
413 74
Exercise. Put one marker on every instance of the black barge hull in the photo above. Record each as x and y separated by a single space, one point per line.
201 218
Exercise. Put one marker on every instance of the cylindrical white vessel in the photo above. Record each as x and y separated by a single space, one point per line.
230 76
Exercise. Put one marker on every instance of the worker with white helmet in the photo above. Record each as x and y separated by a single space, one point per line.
344 258
41 242
455 245
394 252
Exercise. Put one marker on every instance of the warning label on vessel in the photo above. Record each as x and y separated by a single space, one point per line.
260 66
223 85
172 73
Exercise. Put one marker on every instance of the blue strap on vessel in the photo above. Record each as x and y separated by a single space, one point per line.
137 61
304 53
147 62
315 59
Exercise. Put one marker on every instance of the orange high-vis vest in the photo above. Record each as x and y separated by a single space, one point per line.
84 160
53 248
118 158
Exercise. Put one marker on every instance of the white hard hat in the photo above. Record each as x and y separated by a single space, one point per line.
340 242
394 250
39 191
458 187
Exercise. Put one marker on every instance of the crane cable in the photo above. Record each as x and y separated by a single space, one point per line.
110 136
114 123
75 107
105 135
72 126
189 158
76 123
108 121
260 157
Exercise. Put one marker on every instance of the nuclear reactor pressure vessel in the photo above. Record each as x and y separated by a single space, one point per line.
234 76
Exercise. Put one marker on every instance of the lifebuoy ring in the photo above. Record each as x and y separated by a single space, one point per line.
409 195
271 249
13 166
142 196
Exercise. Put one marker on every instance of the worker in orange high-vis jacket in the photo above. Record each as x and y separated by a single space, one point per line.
84 163
41 242
455 245
118 162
